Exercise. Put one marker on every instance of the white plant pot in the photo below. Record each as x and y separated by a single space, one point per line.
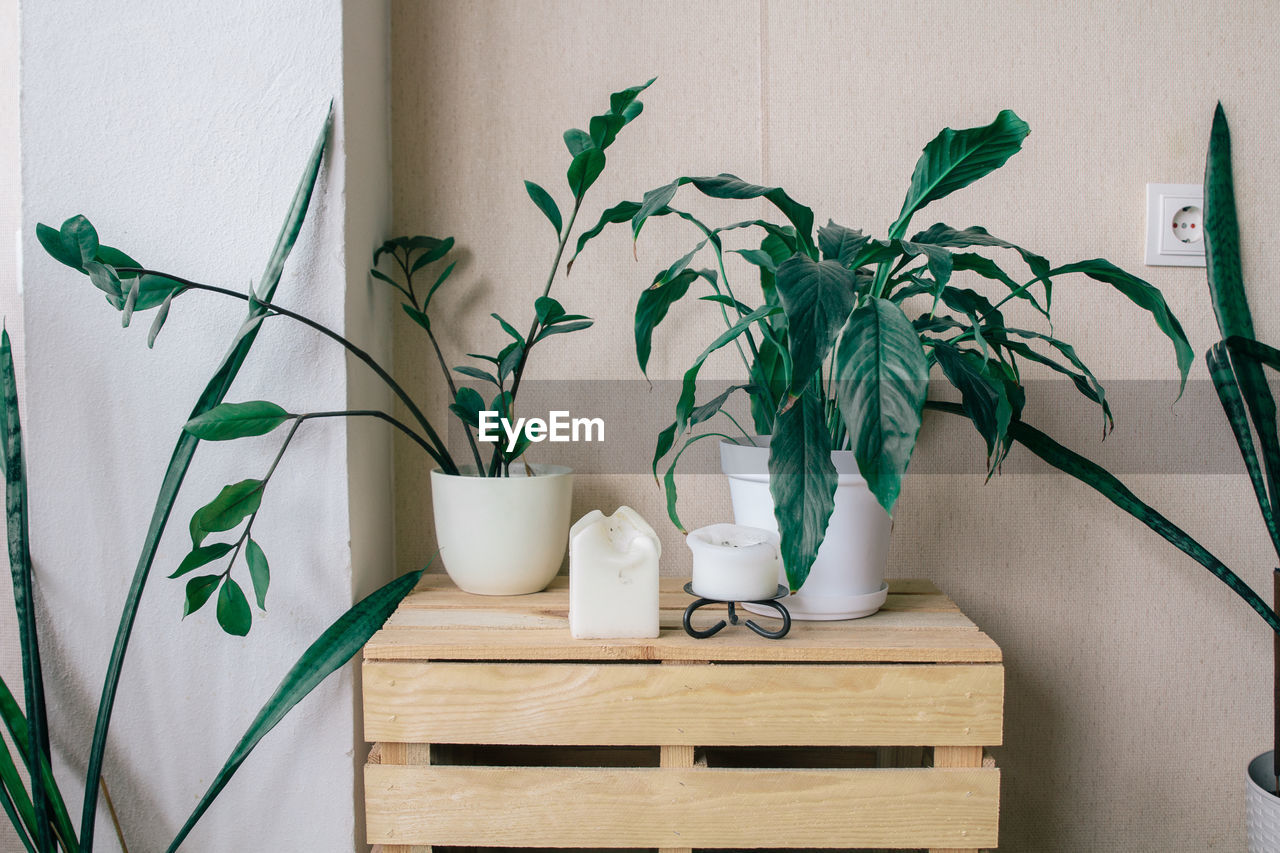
503 535
847 578
1262 809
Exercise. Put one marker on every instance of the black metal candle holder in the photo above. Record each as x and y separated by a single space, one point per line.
773 603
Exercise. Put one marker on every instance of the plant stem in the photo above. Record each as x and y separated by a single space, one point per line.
533 330
111 809
438 451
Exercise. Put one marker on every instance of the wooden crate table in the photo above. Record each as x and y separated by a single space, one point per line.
493 727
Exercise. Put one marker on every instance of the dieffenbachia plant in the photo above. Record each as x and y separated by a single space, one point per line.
33 801
131 288
838 355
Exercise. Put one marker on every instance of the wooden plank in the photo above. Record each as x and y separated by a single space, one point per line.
909 616
401 754
436 591
957 756
740 705
699 807
807 642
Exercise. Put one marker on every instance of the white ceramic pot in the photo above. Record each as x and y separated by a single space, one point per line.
1262 809
503 535
847 578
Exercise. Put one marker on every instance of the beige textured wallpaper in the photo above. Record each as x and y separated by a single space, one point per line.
1137 684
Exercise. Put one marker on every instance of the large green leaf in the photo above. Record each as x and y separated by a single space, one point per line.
1143 295
802 479
685 405
940 234
1219 362
23 591
881 380
16 724
237 420
234 614
839 243
726 186
956 158
233 505
1222 235
584 170
1230 304
546 204
652 308
331 650
1084 380
180 461
982 394
817 296
1106 484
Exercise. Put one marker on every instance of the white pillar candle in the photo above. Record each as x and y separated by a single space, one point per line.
613 576
734 563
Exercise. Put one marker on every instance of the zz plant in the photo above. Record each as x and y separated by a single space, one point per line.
36 808
838 354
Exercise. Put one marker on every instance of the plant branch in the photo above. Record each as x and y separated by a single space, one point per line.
438 451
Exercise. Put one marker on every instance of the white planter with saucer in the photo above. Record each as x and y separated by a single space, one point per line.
847 578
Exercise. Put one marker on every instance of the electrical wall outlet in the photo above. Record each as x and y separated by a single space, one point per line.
1175 225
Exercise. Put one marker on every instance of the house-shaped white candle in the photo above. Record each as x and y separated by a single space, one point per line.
613 576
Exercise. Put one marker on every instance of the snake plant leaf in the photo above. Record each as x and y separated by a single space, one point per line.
983 396
840 244
1143 295
685 405
584 170
16 724
202 556
16 514
228 421
233 505
199 589
1230 304
545 204
17 803
1219 362
802 479
956 158
669 478
1106 484
233 611
1222 235
726 186
818 297
180 461
577 141
259 571
330 651
881 380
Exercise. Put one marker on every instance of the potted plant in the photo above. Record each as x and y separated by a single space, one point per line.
502 523
33 800
838 353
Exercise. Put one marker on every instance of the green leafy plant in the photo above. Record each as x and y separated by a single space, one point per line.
839 354
37 810
505 369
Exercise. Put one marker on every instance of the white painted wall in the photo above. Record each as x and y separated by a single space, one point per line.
180 129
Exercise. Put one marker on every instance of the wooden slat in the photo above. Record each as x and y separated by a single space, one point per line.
436 591
745 705
591 807
958 756
807 642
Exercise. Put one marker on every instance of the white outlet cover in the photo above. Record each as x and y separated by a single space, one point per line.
1175 225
